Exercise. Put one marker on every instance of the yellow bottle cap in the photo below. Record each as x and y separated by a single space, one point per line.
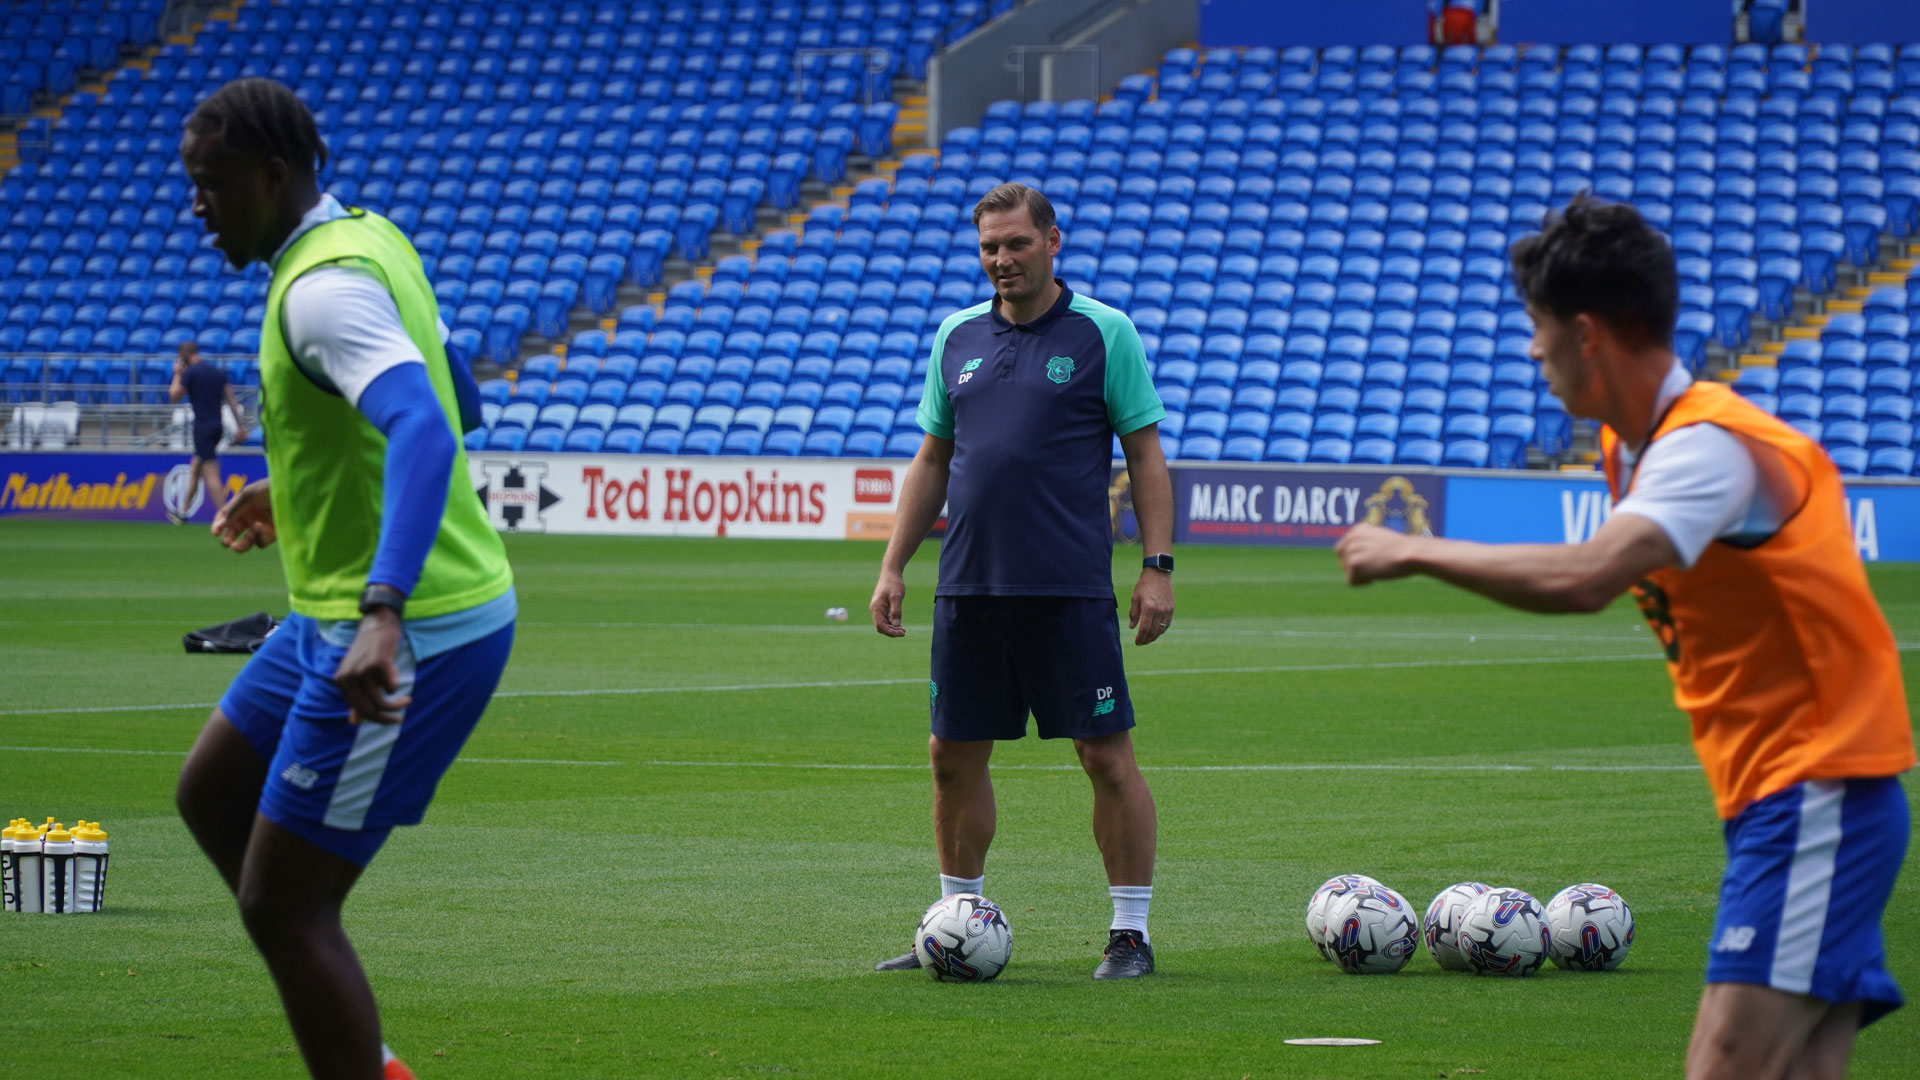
90 832
58 835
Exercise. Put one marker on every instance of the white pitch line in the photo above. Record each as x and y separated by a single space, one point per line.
183 753
89 750
861 767
1286 767
839 684
727 688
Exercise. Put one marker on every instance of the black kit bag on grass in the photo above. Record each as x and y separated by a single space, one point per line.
239 636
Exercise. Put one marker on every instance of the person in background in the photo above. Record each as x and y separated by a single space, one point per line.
204 385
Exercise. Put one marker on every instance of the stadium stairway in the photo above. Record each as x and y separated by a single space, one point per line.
1839 370
908 139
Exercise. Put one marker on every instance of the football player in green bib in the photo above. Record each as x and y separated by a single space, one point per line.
403 607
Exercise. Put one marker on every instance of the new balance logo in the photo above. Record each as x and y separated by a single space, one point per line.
1735 939
300 776
967 369
1103 708
1103 701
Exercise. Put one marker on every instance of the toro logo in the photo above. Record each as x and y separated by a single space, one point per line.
873 486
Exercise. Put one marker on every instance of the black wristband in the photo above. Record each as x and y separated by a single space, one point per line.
1158 562
383 596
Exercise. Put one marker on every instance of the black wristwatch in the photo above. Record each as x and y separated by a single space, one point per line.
383 596
1158 562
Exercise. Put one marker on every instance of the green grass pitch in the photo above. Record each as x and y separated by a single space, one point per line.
699 813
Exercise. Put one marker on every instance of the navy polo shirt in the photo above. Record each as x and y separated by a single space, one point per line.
1032 409
204 383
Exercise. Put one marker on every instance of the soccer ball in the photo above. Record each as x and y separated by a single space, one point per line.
1442 923
1371 931
1503 932
1590 928
963 938
1328 891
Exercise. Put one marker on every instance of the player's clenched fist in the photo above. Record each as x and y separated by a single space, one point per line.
1371 553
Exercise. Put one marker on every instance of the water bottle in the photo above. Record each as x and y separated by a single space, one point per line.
56 871
9 892
25 858
89 867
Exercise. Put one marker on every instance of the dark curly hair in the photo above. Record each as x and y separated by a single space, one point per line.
263 118
1604 260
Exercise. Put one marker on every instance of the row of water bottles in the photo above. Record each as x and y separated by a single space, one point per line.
52 869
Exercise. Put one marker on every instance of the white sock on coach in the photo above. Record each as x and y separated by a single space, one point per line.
1130 908
386 1053
952 885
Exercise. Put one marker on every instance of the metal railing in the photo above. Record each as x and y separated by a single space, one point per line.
115 415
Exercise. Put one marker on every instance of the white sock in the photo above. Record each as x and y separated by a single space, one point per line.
386 1053
951 885
1130 908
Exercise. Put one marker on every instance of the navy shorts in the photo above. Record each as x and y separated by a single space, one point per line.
206 441
995 658
1809 871
344 786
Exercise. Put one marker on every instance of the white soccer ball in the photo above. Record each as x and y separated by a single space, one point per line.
1441 926
1371 930
1503 932
963 938
1589 928
1328 891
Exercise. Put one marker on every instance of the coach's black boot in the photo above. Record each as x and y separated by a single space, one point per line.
909 962
1127 956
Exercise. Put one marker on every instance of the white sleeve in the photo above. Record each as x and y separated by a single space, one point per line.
1697 484
342 322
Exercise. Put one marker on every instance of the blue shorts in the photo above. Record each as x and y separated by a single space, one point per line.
997 657
206 441
344 786
1809 870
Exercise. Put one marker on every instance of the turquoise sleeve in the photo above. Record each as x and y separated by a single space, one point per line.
1132 402
936 408
936 411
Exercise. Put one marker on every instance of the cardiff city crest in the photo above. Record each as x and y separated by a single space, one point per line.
1398 507
1060 368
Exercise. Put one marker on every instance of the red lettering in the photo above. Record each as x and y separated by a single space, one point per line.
678 481
639 488
612 497
731 500
792 499
703 493
816 495
592 476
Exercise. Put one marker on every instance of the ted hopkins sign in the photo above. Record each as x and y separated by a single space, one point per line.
641 496
1308 508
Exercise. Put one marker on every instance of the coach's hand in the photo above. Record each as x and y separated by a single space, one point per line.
1152 608
885 608
246 522
366 676
1370 553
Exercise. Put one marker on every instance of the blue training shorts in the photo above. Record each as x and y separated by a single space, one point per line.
1809 870
343 786
995 658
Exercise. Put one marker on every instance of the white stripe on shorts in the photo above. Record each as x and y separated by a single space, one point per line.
366 763
1803 914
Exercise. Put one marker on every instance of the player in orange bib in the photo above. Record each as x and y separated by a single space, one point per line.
1730 529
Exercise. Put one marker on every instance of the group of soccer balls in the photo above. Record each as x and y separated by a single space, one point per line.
1368 929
